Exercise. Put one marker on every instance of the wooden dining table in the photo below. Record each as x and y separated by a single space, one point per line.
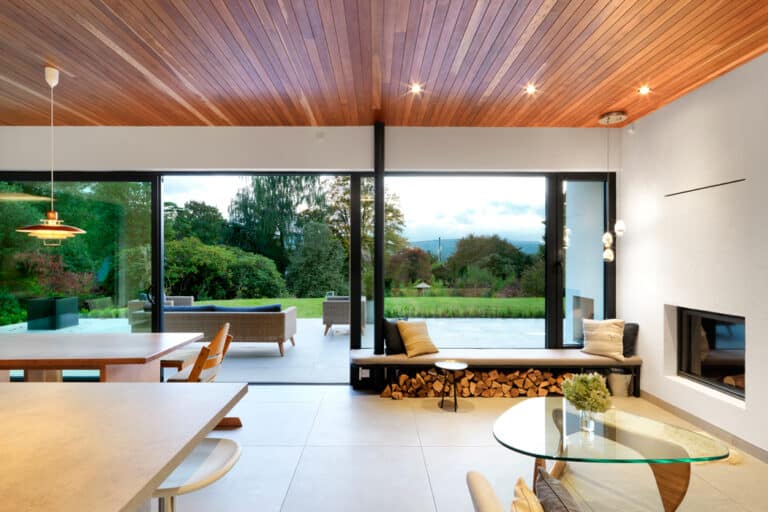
119 357
91 446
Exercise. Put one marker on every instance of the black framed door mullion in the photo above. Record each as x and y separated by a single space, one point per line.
158 254
355 269
554 262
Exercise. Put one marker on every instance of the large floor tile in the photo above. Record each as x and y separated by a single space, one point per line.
471 425
745 482
448 467
370 478
364 421
259 481
273 423
632 488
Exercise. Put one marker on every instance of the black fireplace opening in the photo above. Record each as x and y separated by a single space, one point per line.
711 349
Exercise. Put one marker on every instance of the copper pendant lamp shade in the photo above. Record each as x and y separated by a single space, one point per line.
51 229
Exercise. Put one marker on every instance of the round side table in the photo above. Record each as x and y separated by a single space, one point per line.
450 368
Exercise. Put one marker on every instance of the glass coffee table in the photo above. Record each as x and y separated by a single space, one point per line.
550 429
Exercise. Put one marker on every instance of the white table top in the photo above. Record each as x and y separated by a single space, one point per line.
77 446
86 350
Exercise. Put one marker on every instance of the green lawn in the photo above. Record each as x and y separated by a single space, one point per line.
428 307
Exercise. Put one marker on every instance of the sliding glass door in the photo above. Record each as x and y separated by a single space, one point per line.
466 254
96 282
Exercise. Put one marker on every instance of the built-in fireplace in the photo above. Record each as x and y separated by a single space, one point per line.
711 349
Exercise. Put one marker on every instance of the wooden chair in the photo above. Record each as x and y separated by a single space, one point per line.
206 368
208 361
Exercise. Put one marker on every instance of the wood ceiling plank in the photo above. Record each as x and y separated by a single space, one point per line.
650 55
349 62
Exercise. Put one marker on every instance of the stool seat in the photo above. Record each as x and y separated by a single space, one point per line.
209 461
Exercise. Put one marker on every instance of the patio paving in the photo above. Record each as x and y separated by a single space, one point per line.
318 359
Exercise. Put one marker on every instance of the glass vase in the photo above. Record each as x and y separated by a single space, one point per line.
587 420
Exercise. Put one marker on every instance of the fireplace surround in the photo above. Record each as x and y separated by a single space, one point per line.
711 349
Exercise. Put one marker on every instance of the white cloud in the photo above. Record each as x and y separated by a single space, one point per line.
456 206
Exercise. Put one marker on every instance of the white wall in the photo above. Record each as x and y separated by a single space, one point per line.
303 148
706 249
188 148
489 149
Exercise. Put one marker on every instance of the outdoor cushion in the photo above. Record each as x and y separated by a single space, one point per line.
269 308
629 340
416 338
207 307
604 338
392 338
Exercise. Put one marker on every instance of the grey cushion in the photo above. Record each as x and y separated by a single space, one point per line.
552 495
392 338
630 338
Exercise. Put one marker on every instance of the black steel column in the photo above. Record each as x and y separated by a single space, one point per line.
609 278
158 273
355 273
554 262
378 239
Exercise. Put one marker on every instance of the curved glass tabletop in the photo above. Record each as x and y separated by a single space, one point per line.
549 428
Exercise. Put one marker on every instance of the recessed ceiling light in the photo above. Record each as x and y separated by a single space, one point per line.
415 88
644 89
530 89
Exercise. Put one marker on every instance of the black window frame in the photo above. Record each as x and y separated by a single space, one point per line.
554 213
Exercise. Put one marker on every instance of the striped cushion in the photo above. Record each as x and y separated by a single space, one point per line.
604 338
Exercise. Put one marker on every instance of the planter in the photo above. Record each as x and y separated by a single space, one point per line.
52 313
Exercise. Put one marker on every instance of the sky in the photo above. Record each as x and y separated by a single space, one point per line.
433 206
456 206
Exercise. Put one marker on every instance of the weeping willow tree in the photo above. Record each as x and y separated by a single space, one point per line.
263 216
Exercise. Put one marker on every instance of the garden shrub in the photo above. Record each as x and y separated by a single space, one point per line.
11 311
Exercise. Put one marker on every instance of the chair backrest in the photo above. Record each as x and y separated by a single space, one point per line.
484 499
208 362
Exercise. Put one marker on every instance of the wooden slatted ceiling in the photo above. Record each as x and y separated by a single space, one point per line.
349 62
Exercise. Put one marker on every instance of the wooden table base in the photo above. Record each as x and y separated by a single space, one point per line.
672 480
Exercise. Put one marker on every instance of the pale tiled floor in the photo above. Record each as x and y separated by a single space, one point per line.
327 448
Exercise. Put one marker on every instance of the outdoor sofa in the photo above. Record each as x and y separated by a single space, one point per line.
255 324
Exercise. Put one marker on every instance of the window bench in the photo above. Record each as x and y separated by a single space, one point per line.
567 359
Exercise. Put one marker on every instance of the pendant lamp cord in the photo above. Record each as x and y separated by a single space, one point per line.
52 209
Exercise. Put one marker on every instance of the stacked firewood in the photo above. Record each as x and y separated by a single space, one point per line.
486 384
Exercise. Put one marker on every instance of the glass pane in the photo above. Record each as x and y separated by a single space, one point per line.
583 256
367 216
466 254
248 242
95 282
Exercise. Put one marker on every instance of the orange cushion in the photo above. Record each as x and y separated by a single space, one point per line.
416 338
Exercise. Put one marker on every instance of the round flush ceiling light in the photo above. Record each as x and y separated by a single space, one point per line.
610 118
530 89
644 90
416 88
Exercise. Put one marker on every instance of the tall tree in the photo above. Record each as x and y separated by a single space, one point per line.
318 265
200 220
339 215
263 216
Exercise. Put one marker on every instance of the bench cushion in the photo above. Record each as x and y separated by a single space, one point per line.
495 357
269 308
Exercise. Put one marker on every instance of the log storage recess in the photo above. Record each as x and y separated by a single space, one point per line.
486 384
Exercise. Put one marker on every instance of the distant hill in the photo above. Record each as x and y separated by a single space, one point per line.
449 246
